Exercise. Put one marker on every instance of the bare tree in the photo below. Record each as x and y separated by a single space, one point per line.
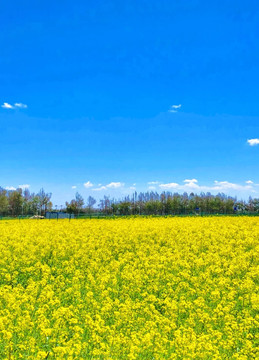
90 203
44 199
79 202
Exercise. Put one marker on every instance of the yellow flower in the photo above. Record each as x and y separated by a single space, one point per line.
135 288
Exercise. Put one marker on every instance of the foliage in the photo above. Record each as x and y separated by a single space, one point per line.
22 202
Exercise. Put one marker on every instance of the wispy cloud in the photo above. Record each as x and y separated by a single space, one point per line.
88 184
6 105
24 186
21 105
73 187
153 182
100 188
175 108
219 186
253 142
112 185
133 187
222 186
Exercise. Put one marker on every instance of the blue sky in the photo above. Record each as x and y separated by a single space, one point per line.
97 87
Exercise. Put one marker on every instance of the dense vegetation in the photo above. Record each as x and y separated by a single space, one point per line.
22 202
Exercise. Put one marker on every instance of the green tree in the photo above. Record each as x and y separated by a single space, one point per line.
15 201
3 201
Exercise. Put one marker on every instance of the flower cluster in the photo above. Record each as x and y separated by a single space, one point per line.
153 288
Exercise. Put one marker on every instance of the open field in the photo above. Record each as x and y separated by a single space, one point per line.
136 288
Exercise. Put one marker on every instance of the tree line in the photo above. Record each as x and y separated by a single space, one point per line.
23 202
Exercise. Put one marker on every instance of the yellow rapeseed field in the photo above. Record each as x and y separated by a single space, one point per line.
136 288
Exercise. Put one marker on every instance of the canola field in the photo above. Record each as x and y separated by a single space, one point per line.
136 288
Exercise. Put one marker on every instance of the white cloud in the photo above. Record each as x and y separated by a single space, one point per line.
114 185
25 186
7 106
190 181
253 142
153 182
16 105
169 186
151 188
73 187
10 188
219 186
174 108
21 105
88 184
226 185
